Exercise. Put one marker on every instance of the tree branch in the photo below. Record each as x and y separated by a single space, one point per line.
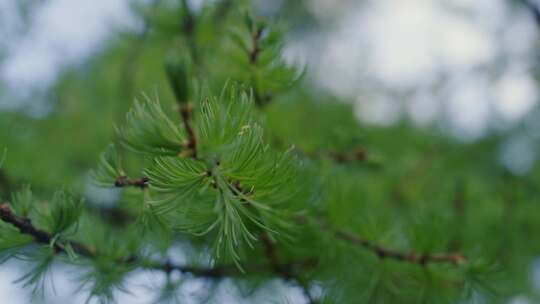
356 155
186 111
256 50
411 257
25 226
382 252
253 55
124 181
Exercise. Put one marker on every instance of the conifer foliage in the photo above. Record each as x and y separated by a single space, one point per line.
234 163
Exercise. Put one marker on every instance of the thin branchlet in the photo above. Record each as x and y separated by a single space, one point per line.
382 252
356 155
412 257
124 181
25 226
256 50
254 54
186 112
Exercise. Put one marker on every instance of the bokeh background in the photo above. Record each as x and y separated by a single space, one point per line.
466 69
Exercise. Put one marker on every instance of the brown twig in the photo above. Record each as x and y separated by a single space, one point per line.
256 50
124 181
186 111
253 55
412 257
382 252
356 155
25 226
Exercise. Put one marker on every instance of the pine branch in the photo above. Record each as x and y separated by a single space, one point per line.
382 252
253 55
124 181
25 226
356 155
256 50
455 258
186 111
216 272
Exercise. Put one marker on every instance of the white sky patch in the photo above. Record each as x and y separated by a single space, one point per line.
461 44
378 110
343 59
408 45
516 95
399 39
403 44
422 110
14 293
520 299
518 37
10 23
468 107
62 33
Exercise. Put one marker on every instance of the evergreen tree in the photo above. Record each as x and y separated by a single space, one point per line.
253 174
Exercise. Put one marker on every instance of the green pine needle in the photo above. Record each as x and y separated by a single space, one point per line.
109 168
149 130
